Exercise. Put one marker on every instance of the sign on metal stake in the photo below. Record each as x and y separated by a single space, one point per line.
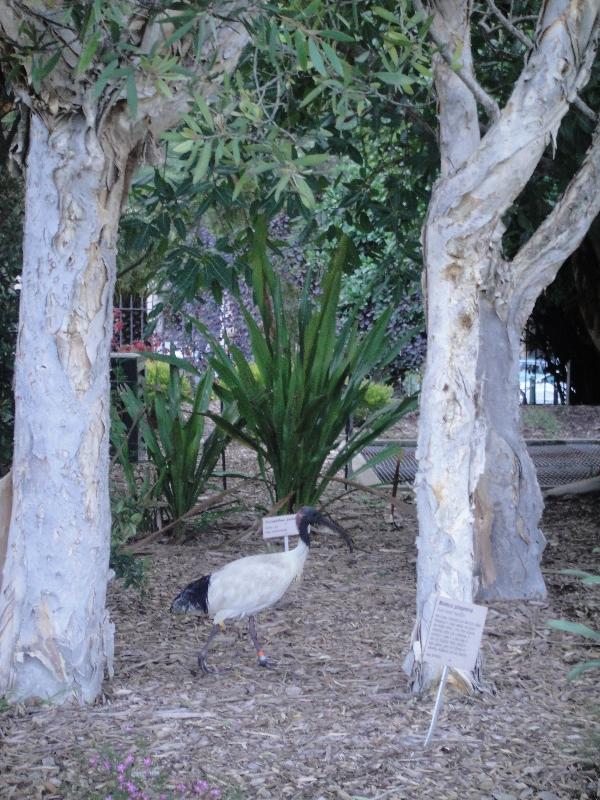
277 527
453 641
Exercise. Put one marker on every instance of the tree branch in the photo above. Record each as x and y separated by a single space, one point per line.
535 265
513 146
528 44
518 34
485 100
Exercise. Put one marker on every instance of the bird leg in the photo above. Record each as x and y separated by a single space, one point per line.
262 659
204 652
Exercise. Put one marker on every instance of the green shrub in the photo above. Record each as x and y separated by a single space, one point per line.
375 398
126 519
540 418
132 510
157 379
183 460
306 381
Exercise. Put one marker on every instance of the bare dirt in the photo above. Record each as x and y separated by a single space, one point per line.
334 720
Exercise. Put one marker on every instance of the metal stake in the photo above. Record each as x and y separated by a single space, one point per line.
439 702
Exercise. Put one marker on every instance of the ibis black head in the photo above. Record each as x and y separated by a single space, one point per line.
310 516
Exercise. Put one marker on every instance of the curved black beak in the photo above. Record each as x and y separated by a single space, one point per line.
325 519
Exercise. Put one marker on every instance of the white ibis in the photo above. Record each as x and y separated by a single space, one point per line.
244 587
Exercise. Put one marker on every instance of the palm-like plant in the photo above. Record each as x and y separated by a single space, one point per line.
183 458
306 381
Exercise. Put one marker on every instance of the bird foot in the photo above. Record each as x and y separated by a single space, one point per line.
268 663
204 667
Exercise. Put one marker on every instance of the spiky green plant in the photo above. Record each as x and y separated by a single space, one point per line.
305 379
578 628
174 439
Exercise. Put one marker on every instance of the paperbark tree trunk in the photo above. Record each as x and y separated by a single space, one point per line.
477 496
56 634
507 502
87 137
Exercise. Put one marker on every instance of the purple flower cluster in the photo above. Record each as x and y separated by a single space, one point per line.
125 778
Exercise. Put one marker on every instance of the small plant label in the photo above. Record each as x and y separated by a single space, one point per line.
276 527
455 633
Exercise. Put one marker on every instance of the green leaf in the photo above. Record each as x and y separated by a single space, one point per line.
333 59
201 167
390 451
306 195
316 57
88 53
41 70
313 160
386 15
205 111
312 95
586 666
577 628
397 79
179 33
184 147
301 49
338 36
110 71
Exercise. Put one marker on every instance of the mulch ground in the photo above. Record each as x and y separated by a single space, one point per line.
334 720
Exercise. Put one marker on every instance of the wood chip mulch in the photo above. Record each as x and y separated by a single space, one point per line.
334 720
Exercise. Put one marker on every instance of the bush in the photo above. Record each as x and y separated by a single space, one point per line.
183 460
306 382
157 379
126 519
376 397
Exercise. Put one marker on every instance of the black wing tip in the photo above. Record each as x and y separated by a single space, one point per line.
194 597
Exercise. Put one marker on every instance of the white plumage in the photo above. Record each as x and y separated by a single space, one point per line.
231 595
246 586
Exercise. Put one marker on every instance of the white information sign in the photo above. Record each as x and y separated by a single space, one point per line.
455 633
276 527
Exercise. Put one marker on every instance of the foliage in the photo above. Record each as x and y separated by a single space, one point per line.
132 510
184 461
135 777
376 397
126 519
541 418
11 211
307 381
321 90
157 377
578 628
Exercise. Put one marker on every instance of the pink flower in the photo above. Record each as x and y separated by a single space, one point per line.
129 760
94 761
148 761
214 793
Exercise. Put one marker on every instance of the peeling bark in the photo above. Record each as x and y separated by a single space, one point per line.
478 501
5 512
56 639
54 629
